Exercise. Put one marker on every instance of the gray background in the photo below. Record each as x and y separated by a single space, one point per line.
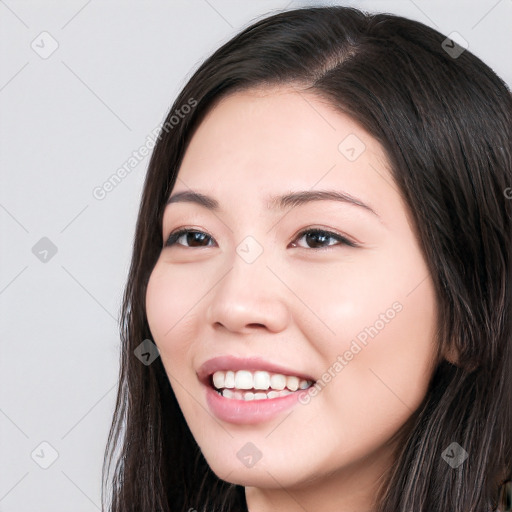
68 122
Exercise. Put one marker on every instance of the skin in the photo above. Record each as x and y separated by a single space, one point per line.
300 306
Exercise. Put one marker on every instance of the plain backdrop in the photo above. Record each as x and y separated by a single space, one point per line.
82 85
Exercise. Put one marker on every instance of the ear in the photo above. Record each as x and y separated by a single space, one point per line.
451 354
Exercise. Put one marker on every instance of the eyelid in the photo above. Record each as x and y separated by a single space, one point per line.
177 233
340 237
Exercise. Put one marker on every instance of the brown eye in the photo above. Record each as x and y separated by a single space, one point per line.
188 238
319 238
314 238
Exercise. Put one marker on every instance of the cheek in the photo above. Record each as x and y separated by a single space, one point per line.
402 355
161 302
168 303
380 356
375 377
172 317
388 360
402 333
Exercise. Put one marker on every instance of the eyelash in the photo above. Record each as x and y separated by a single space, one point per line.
173 238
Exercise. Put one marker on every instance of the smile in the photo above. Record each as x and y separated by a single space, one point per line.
256 385
251 390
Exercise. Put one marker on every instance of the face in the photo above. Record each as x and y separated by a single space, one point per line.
261 296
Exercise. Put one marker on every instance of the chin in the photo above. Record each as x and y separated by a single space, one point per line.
264 474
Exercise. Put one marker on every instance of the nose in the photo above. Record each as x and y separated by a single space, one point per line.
248 297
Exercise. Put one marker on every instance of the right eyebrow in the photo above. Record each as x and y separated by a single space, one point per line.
195 197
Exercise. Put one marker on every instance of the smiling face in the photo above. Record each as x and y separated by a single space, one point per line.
349 304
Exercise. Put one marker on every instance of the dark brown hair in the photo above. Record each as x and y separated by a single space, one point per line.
445 122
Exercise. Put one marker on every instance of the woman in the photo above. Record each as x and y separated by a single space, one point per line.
322 259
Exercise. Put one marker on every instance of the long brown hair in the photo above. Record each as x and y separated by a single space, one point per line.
444 119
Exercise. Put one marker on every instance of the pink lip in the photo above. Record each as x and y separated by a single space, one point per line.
242 411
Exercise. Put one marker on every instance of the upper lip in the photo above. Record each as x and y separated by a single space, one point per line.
228 362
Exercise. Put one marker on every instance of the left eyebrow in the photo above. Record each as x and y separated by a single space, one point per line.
306 196
275 202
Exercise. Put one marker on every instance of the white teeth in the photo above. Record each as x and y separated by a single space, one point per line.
272 384
243 380
219 380
229 381
261 380
249 395
278 381
292 383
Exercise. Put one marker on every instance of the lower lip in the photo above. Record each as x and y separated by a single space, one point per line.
248 411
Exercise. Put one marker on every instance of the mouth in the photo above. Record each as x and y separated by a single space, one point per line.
255 385
250 390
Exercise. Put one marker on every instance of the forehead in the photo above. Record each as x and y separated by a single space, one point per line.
261 142
280 122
